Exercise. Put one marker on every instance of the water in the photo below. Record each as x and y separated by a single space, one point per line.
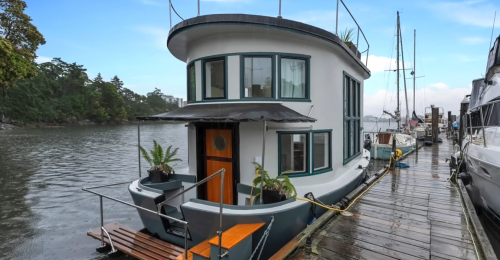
44 214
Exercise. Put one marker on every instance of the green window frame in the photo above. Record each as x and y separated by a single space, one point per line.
328 166
191 82
352 117
306 155
242 75
307 85
203 71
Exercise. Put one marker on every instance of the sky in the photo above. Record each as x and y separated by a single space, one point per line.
127 38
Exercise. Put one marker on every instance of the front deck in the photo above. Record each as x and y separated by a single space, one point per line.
409 214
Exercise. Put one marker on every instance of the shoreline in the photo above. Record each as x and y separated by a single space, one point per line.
13 126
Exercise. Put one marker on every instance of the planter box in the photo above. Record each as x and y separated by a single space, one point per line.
158 176
355 51
272 196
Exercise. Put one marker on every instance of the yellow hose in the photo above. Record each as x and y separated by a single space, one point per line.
342 210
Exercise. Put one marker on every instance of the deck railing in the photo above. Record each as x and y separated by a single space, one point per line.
158 212
359 31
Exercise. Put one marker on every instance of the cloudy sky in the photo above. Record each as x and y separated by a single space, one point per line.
127 38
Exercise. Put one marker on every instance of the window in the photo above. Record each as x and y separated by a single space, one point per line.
294 152
215 78
321 151
258 77
191 82
352 117
294 78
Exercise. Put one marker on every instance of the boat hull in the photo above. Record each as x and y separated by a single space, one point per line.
485 173
290 216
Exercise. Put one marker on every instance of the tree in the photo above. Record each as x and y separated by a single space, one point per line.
118 83
23 37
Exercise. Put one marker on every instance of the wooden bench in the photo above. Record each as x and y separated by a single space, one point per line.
137 244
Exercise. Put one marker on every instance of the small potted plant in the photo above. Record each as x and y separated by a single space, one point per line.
347 36
275 189
160 170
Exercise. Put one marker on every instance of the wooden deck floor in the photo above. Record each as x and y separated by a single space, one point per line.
409 214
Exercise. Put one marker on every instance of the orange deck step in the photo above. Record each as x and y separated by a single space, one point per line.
202 249
137 244
235 235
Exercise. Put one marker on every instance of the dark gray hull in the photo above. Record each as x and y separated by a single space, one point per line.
291 217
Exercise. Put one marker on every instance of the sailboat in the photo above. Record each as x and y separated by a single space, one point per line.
382 145
421 126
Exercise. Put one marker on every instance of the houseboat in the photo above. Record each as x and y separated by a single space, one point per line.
265 90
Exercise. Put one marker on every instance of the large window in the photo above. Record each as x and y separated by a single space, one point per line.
321 151
294 151
294 78
191 82
258 77
352 105
215 78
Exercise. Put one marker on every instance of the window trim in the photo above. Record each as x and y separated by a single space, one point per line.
357 104
307 59
191 64
308 153
242 76
329 167
203 72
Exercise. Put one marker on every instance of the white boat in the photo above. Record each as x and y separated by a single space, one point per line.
253 82
481 145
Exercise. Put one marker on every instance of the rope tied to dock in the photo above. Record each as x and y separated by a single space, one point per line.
264 236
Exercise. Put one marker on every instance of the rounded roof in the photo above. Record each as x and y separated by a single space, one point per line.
177 41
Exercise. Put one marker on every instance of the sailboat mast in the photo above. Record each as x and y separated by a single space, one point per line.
414 67
404 80
397 70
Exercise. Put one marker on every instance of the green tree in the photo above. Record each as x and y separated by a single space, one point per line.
118 83
24 38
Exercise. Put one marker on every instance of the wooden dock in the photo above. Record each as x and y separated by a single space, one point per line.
409 214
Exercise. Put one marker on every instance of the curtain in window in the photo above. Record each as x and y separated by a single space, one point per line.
293 78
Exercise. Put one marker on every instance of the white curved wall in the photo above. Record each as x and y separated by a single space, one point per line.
328 63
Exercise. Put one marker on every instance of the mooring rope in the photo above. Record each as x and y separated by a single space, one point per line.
264 236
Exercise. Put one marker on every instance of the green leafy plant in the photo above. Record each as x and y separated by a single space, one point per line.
347 36
281 183
158 160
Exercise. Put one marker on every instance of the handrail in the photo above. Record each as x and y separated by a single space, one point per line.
185 223
113 249
171 7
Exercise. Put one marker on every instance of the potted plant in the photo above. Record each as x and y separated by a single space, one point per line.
275 189
160 170
347 36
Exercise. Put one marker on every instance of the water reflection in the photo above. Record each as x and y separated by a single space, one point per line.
44 213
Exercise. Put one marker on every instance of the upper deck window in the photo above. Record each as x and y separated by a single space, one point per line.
191 82
258 77
215 78
294 78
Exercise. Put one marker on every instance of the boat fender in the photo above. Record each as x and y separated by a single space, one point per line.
466 178
474 194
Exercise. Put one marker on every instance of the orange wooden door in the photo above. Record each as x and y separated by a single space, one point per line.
219 154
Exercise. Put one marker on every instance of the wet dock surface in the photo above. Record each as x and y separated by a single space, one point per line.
409 214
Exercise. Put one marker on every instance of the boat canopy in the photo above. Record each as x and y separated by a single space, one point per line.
493 60
234 112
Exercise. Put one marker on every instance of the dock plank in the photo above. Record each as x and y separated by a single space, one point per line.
408 214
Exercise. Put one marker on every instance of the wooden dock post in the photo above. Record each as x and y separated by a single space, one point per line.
435 124
448 130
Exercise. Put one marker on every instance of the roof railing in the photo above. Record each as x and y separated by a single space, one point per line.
171 7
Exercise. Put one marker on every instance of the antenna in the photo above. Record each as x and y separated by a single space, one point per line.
492 29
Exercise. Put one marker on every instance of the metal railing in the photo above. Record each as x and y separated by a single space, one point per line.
185 223
171 7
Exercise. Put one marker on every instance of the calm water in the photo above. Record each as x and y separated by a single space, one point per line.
44 214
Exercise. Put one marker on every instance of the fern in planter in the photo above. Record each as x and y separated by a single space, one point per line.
281 184
347 36
160 162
